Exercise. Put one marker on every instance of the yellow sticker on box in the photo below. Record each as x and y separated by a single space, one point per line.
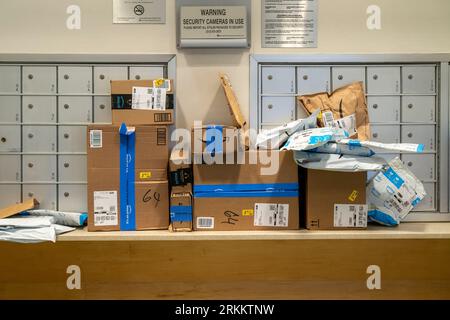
145 175
159 83
353 196
248 212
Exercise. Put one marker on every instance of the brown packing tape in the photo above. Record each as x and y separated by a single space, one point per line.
18 208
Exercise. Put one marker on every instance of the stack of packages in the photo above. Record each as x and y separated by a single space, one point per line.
128 187
335 158
237 189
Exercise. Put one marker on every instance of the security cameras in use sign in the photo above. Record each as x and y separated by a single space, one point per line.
213 25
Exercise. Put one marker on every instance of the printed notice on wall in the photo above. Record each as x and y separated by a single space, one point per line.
139 11
213 22
289 24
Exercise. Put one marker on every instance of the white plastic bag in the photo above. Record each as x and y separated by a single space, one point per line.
400 147
276 137
336 162
335 148
314 138
393 193
71 219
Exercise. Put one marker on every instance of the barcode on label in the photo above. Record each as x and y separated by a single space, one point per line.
352 208
161 136
162 117
96 140
328 119
205 223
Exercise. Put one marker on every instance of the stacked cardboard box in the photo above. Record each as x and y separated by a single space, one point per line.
127 184
254 195
128 187
180 178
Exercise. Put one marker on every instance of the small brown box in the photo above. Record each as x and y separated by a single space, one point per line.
321 191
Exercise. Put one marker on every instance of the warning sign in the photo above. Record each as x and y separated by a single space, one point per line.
213 22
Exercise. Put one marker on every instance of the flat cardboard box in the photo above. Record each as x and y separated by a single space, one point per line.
237 210
181 221
124 88
17 208
323 190
150 180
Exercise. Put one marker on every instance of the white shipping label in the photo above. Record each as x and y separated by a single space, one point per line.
271 215
96 139
142 98
205 223
347 123
160 99
350 216
105 208
328 118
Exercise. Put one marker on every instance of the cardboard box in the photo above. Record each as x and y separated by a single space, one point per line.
247 196
333 200
215 141
121 102
181 212
128 188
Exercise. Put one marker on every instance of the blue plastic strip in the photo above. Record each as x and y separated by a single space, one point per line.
83 218
247 194
181 213
214 140
382 218
246 187
127 193
420 148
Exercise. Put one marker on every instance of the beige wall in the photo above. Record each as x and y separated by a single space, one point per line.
39 26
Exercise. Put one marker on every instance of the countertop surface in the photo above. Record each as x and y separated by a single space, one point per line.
404 231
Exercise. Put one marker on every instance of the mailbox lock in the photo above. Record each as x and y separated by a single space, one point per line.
30 76
30 194
375 106
375 77
30 165
30 135
66 135
305 77
66 194
102 106
375 135
340 77
410 164
410 77
66 165
66 106
410 135
138 77
270 77
102 77
270 106
66 76
3 139
410 106
30 106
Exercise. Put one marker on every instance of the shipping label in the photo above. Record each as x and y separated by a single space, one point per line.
105 208
271 215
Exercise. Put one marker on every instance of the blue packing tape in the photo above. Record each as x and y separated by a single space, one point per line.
181 213
127 171
214 140
247 190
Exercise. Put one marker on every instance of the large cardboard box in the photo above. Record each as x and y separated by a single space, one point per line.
121 101
333 200
115 191
250 196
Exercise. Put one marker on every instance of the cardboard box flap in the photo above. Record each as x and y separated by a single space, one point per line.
233 102
18 208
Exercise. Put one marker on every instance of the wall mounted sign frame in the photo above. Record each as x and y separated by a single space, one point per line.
213 23
139 11
289 23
